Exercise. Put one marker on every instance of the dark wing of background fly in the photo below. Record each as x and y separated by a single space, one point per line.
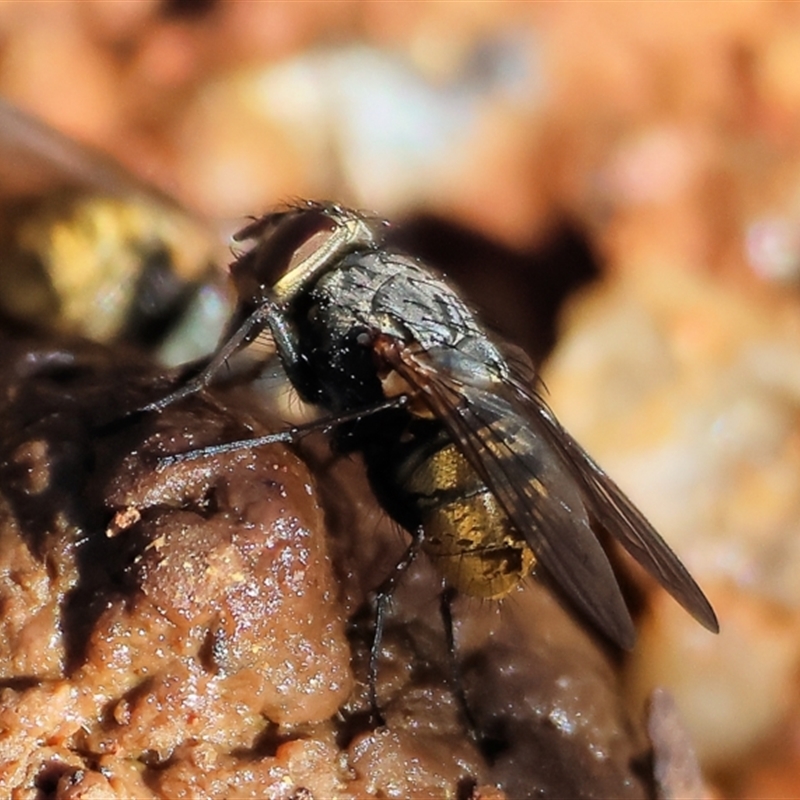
532 484
611 509
33 151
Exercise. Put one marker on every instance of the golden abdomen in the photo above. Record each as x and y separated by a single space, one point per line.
467 535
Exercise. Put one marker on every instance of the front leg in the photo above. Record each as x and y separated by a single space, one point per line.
268 315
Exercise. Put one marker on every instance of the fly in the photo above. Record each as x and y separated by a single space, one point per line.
89 248
460 448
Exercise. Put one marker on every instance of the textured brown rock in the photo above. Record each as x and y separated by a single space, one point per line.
177 630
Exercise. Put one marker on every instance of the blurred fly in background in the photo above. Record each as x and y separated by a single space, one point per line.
90 250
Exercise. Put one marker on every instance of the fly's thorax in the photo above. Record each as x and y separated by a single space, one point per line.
342 376
393 295
468 536
372 296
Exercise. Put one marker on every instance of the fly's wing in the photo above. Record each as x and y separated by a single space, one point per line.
608 505
611 509
536 469
531 481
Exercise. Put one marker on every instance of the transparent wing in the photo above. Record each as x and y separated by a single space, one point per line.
554 493
535 488
612 510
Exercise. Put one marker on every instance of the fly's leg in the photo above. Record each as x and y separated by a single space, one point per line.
383 597
289 436
446 609
268 314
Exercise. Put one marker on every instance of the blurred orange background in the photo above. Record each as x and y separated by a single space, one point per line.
667 131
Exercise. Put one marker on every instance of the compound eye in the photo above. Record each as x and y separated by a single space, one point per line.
364 338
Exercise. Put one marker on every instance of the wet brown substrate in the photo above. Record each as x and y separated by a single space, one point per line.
199 629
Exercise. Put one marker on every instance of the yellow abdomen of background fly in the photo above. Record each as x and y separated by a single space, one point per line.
467 534
74 262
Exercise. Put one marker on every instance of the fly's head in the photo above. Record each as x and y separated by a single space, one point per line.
291 248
